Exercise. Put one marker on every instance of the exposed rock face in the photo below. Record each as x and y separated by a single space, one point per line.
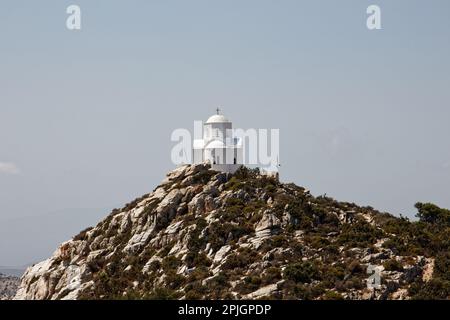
206 235
8 286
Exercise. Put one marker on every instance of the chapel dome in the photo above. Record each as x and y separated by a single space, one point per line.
217 118
215 144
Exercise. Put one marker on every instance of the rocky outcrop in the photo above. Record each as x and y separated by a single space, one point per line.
266 291
205 235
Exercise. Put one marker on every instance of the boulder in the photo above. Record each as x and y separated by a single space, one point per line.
262 292
268 222
221 253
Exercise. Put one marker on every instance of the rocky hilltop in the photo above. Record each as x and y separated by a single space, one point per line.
8 286
208 235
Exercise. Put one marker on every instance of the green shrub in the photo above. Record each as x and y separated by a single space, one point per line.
203 177
194 241
250 284
359 234
162 293
219 233
332 295
442 266
174 280
430 213
218 287
303 272
193 294
351 283
317 241
277 241
302 292
355 267
196 259
154 266
392 265
241 260
170 263
435 289
271 275
333 273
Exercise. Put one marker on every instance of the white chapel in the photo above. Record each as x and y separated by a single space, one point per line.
219 146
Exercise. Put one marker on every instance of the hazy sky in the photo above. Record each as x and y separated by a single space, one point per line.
86 116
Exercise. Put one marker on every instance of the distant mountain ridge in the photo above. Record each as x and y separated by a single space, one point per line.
12 271
63 223
8 286
204 234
